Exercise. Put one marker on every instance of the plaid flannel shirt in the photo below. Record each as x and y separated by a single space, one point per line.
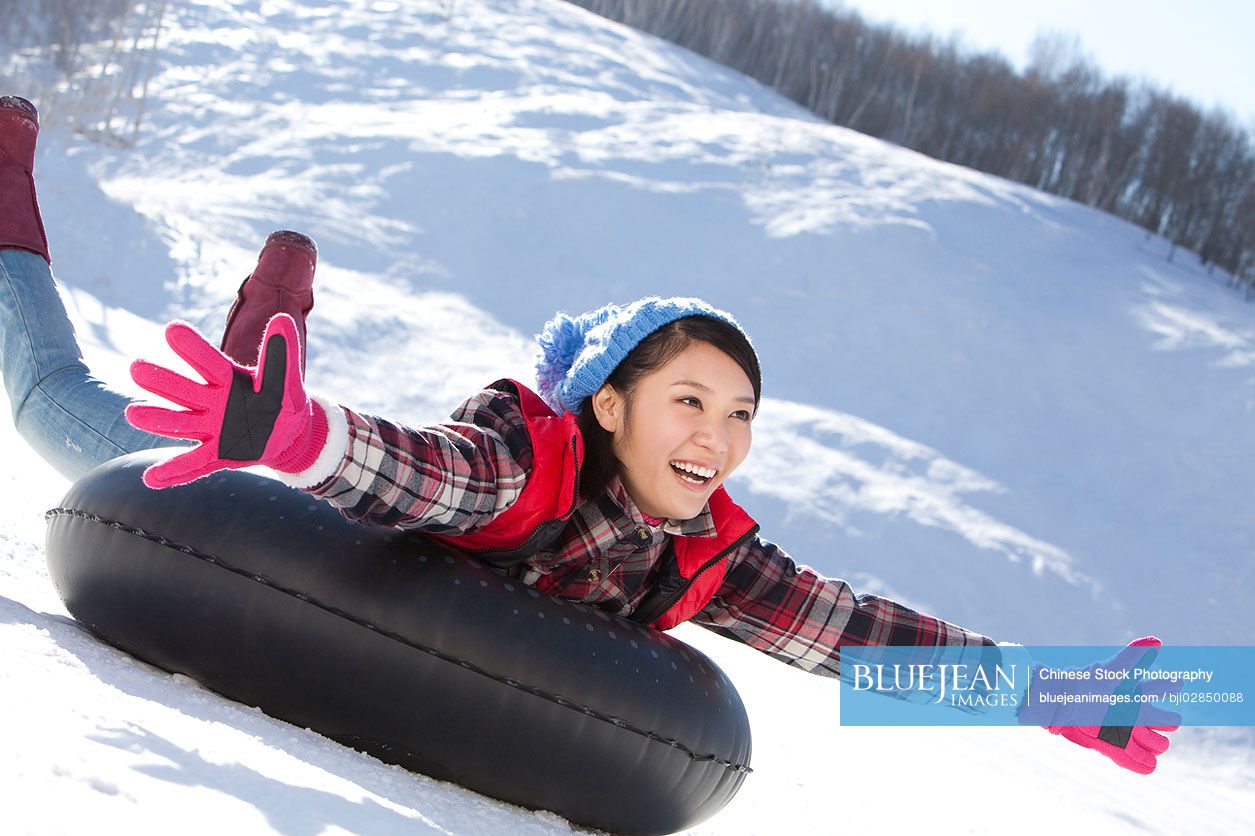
456 477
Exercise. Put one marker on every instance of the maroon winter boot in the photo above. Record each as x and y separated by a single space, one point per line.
282 282
20 224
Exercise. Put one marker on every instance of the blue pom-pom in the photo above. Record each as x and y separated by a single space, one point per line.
560 341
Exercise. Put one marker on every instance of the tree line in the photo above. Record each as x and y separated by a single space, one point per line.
1062 126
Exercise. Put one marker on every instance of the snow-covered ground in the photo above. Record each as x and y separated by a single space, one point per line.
989 403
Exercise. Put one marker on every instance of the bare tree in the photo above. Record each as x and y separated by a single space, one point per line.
86 63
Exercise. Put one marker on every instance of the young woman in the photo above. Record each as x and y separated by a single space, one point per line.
605 486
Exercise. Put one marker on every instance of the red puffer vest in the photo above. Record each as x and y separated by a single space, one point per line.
548 499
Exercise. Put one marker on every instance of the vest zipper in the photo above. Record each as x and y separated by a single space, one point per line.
678 594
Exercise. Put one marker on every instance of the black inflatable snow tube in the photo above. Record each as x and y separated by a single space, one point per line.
401 648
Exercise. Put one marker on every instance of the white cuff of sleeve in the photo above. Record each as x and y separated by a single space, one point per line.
332 455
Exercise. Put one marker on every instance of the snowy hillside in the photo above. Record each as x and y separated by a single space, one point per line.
998 406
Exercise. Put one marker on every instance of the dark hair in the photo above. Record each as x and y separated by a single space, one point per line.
655 351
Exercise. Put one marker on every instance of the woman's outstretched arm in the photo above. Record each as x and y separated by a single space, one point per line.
449 478
802 618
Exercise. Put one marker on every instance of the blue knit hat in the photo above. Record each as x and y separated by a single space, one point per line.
578 354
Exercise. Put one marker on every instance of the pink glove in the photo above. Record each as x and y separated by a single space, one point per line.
1134 747
241 415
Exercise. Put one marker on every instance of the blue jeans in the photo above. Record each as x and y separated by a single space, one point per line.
71 419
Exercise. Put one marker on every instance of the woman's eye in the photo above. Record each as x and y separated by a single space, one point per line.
742 415
691 401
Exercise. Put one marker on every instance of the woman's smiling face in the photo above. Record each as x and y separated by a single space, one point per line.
683 431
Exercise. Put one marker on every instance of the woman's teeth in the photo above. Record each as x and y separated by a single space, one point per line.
693 473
